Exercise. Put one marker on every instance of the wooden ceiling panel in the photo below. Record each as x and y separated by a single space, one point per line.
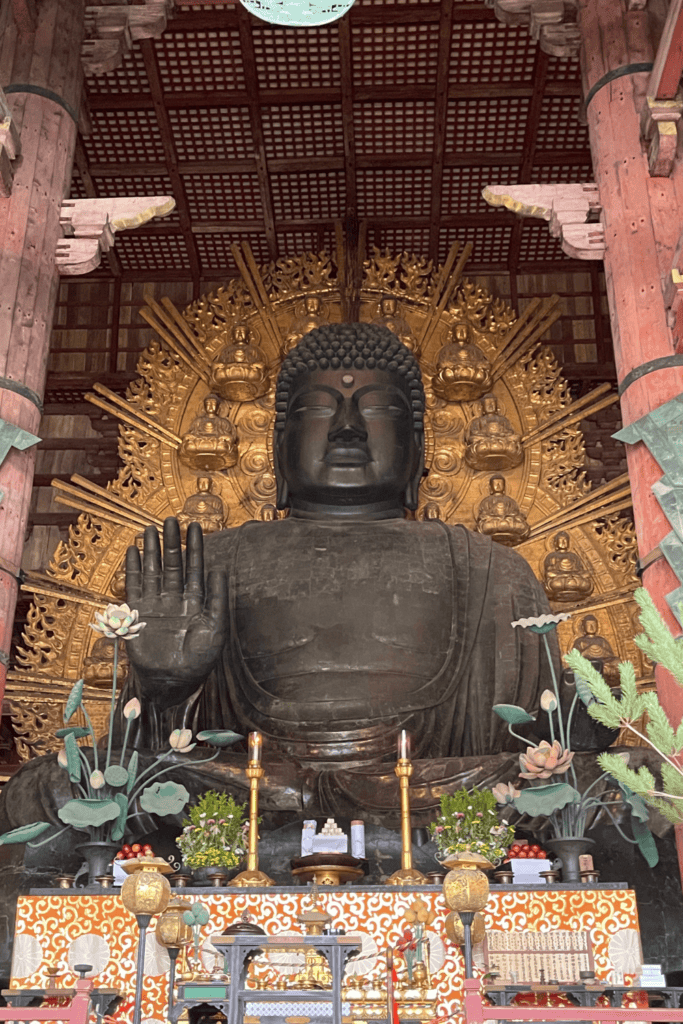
309 130
379 191
130 77
401 239
312 196
140 252
306 241
402 127
462 187
537 244
403 54
559 126
132 185
223 197
564 69
302 58
212 133
490 244
200 62
491 52
115 132
215 255
556 173
486 125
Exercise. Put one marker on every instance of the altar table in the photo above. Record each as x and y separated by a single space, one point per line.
66 927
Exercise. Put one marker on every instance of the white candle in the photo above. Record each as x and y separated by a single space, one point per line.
255 741
403 746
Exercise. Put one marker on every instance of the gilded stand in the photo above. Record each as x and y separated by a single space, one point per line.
252 876
407 875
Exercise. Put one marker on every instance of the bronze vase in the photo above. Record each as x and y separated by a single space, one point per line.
569 849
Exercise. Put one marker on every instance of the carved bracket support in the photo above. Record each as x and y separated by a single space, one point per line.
658 124
572 212
9 147
551 22
90 225
112 29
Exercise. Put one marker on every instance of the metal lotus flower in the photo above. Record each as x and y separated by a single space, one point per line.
118 620
180 741
545 760
505 792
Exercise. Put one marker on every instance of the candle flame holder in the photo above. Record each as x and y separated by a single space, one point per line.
407 875
252 876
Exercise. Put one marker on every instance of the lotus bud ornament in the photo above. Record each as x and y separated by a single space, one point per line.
181 740
132 709
548 701
505 792
545 760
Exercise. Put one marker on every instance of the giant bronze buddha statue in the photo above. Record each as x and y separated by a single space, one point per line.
332 629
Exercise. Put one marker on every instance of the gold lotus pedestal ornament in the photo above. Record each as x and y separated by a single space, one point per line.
145 892
466 891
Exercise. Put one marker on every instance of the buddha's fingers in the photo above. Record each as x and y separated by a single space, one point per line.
194 565
217 601
151 564
172 579
133 577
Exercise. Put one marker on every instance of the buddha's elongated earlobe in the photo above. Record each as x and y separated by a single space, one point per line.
282 490
412 491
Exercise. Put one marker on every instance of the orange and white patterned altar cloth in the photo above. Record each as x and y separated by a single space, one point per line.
68 929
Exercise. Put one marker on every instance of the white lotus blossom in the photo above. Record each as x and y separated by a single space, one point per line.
118 620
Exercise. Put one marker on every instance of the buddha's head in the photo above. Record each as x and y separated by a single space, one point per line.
497 484
211 405
349 428
460 332
489 403
240 334
204 485
388 306
562 541
312 305
590 625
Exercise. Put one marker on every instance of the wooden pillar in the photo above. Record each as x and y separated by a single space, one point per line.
40 71
642 219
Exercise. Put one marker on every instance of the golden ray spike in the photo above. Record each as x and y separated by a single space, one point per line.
567 421
175 342
622 596
450 286
91 602
108 497
542 322
568 409
84 502
104 499
255 293
587 517
181 333
520 326
97 513
41 579
133 413
441 281
341 269
136 420
619 483
177 318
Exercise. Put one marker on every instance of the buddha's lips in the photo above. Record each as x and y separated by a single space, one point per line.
347 455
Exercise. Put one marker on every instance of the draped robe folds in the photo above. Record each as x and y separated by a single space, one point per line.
343 633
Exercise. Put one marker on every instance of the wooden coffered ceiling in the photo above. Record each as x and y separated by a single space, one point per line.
398 114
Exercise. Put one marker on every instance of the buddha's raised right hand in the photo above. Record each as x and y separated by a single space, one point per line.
186 624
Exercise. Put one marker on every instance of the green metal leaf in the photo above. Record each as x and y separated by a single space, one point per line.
74 700
24 833
513 715
583 690
219 737
646 842
73 758
119 826
88 813
546 799
164 798
116 775
132 770
79 731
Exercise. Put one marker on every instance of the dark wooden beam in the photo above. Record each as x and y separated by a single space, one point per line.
171 158
440 109
348 129
529 150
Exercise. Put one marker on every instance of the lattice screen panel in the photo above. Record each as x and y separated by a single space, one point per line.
490 52
380 191
300 131
212 133
308 196
306 58
223 196
490 243
405 127
194 63
485 126
150 252
119 131
462 187
395 54
558 125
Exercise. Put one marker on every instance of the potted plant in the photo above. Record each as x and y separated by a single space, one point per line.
109 788
569 811
468 823
214 837
659 734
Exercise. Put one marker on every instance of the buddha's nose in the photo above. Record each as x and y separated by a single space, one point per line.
348 425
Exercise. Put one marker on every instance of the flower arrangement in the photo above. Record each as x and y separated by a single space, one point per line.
568 810
469 822
109 789
215 834
661 647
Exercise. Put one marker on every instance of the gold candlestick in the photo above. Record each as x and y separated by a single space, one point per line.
252 876
408 875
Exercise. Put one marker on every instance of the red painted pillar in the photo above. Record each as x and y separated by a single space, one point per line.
40 71
643 218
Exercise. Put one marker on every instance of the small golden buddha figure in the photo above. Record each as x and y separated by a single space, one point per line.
491 439
499 516
565 577
430 511
117 588
204 508
239 373
390 316
313 317
98 667
267 513
463 373
597 648
211 441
